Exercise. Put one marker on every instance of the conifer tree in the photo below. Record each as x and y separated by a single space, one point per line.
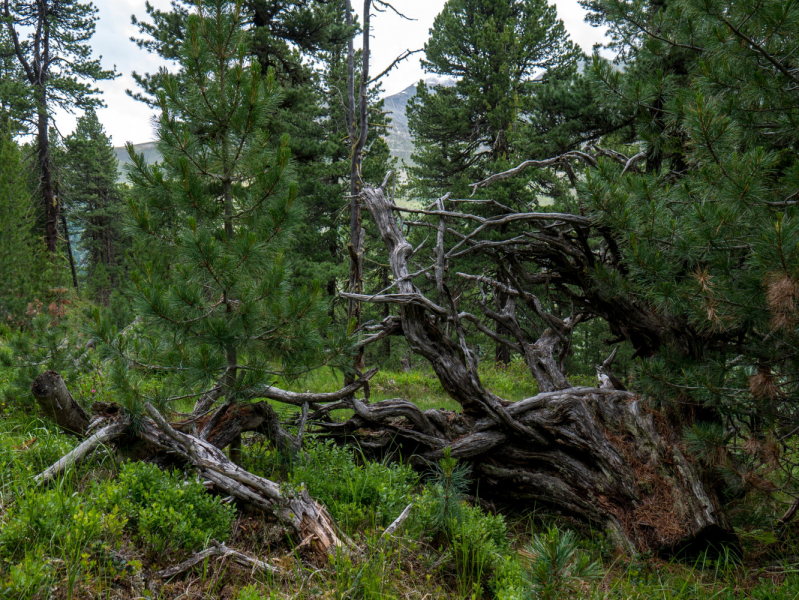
95 204
218 215
19 254
50 41
705 228
494 49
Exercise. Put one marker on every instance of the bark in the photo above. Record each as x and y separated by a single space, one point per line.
69 252
50 200
57 403
294 507
594 453
106 434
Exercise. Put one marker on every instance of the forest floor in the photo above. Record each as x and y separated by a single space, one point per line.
105 529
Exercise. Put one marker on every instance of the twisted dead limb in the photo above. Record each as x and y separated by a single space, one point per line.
220 550
594 453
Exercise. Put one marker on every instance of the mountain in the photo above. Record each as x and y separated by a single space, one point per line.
399 138
149 150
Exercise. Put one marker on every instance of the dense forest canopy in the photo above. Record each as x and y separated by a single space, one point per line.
571 316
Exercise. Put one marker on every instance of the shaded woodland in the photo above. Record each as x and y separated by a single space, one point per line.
574 309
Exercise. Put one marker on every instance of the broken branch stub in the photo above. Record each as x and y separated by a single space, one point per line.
57 403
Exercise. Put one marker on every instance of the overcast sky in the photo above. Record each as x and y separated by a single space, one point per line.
127 120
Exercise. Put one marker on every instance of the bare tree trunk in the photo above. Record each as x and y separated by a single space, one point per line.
69 251
359 129
49 199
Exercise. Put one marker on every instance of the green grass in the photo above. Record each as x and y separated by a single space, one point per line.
99 530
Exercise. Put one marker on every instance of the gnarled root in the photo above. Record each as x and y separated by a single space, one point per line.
597 454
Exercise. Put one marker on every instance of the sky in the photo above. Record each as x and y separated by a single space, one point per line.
127 120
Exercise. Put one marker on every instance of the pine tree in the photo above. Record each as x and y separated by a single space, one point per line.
304 41
19 256
95 204
50 41
218 216
494 49
707 227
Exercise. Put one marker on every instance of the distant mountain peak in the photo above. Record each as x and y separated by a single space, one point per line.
399 137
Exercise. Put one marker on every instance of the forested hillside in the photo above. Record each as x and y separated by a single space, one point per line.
524 330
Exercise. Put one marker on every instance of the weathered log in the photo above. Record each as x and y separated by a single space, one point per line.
293 507
593 453
57 403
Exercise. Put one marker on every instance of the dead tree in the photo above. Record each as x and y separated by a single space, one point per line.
199 443
598 454
595 453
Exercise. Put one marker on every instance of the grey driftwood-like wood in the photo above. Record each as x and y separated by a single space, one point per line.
293 506
105 434
595 453
220 551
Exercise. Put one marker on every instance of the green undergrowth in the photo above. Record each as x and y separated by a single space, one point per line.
420 385
104 528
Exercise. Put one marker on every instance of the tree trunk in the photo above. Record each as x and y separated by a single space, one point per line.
69 251
49 199
596 454
57 403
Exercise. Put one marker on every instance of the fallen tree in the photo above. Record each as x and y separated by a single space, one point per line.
294 507
598 454
595 453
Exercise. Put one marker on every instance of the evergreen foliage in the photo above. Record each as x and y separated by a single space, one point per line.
494 49
708 229
50 41
218 216
304 42
20 256
95 205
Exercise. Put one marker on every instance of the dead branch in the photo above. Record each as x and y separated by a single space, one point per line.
397 522
295 508
298 399
106 434
220 550
539 164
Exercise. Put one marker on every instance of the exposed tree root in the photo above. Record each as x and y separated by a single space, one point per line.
594 453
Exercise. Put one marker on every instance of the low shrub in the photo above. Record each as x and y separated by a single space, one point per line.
369 494
167 511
